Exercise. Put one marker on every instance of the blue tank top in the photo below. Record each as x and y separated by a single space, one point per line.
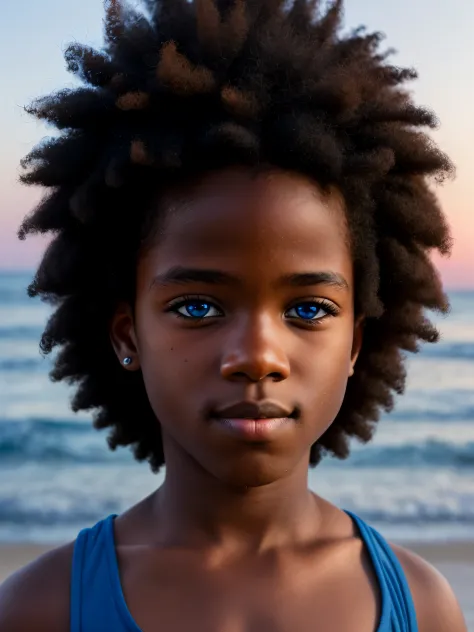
98 604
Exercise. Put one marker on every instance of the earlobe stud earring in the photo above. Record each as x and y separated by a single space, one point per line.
126 361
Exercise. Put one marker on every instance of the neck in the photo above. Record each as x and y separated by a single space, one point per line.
194 508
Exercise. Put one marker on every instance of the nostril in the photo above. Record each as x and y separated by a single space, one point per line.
240 375
276 376
243 375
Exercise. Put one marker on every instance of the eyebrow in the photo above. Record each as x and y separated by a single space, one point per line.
304 279
179 275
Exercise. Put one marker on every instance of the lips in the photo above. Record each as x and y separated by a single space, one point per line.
255 421
265 409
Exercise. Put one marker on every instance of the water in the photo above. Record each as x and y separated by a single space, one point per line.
414 481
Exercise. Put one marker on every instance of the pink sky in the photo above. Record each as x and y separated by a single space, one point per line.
440 48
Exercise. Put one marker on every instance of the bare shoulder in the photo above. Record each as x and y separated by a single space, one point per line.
436 606
36 597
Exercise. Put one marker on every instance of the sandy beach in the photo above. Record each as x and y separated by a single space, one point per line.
454 560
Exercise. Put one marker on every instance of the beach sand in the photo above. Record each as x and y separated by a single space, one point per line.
454 560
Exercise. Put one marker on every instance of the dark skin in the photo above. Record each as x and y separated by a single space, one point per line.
234 532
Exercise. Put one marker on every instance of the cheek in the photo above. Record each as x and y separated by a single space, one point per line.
324 369
166 374
173 371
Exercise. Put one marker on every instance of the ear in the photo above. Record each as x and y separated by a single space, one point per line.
123 337
357 340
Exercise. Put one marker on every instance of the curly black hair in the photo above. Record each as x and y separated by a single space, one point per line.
183 87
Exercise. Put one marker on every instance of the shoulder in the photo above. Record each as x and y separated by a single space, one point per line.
36 598
437 608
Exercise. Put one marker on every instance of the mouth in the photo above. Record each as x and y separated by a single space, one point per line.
255 421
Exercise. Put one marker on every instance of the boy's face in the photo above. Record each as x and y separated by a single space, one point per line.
252 327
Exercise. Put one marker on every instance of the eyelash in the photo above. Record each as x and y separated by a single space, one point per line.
327 306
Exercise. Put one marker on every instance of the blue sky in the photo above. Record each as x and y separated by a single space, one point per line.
435 37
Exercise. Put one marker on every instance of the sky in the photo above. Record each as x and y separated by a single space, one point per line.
435 38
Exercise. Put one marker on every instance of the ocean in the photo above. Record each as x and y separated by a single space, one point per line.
414 482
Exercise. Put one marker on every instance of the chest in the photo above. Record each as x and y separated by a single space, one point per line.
166 593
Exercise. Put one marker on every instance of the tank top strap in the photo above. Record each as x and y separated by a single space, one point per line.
398 610
97 602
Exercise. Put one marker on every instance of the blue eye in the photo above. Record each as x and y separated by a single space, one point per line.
199 309
309 311
195 309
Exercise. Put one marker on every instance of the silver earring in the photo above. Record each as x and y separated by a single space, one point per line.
127 360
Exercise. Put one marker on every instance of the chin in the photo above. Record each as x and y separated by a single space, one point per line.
252 470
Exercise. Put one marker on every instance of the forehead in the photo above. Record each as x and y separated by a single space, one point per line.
254 220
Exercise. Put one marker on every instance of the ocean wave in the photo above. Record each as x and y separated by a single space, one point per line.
69 442
430 452
13 291
423 514
23 332
13 512
15 365
428 409
18 512
59 442
433 411
452 350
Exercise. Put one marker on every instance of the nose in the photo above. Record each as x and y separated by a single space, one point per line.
255 352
